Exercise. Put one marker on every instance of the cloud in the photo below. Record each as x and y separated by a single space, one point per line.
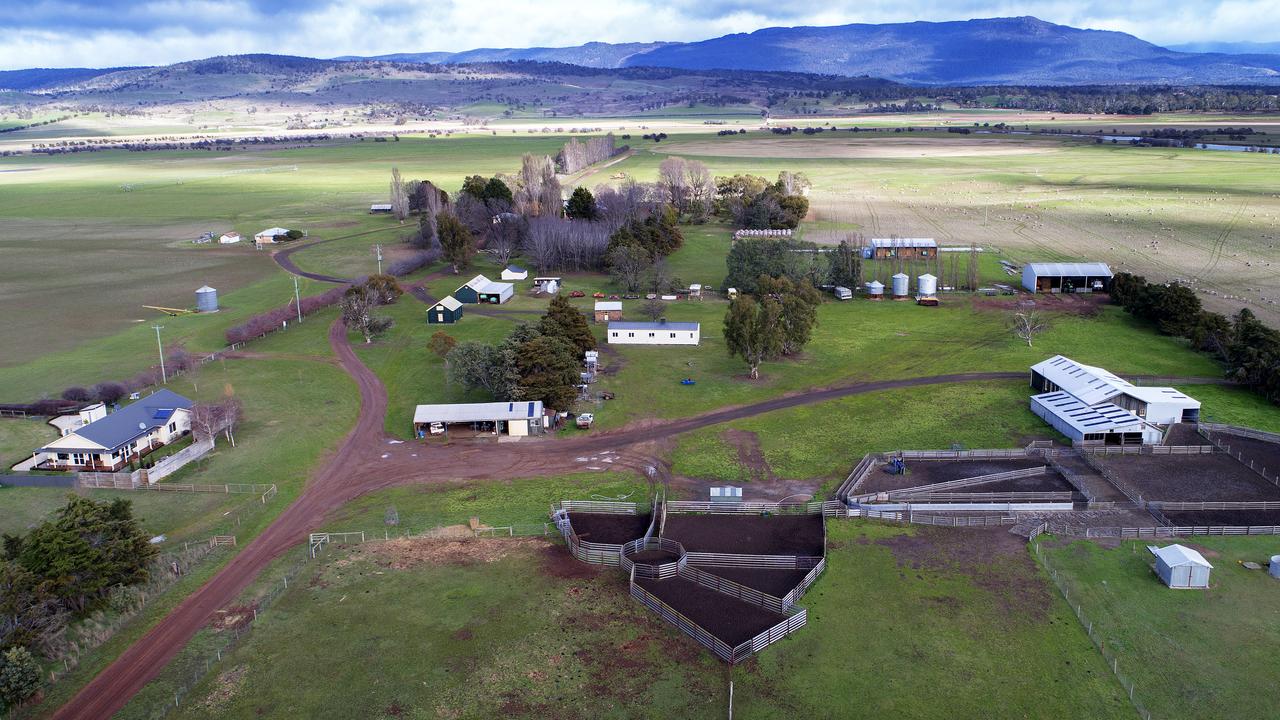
100 33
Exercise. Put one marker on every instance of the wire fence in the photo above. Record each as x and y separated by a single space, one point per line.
1094 632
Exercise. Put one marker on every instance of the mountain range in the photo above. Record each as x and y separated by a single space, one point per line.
993 51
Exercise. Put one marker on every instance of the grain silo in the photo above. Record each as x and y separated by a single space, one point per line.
927 290
900 282
875 290
206 300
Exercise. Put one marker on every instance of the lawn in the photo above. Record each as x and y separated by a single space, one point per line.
1190 654
825 440
19 437
493 503
907 621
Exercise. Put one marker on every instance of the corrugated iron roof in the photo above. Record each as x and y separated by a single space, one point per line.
1104 418
630 325
1175 555
1093 269
478 412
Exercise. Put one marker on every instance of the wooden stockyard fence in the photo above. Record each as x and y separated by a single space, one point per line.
687 565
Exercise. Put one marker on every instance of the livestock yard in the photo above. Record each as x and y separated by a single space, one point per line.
879 562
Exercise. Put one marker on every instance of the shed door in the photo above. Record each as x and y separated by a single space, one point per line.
439 316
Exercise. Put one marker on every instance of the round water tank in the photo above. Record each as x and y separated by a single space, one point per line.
1275 567
875 288
927 285
900 285
206 299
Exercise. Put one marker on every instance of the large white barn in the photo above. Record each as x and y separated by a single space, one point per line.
1066 277
1090 404
654 333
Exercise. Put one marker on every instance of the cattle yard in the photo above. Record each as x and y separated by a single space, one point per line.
729 574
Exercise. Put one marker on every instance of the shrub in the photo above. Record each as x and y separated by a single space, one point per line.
273 319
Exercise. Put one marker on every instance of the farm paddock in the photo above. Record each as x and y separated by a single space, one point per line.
730 581
929 472
1190 478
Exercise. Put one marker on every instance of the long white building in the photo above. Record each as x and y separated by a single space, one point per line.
654 333
1091 404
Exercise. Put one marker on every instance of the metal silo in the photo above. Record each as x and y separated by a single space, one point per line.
926 285
875 290
206 300
900 282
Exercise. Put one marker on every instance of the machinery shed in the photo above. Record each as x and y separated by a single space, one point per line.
1066 277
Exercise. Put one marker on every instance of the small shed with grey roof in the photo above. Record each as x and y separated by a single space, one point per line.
1181 567
1066 277
520 418
446 312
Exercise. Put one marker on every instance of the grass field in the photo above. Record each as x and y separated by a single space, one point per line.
1190 654
825 440
20 436
931 627
179 516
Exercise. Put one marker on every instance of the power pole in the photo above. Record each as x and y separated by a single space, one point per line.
377 249
164 377
297 301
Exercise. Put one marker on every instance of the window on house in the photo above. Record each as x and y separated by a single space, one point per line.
631 334
173 427
673 334
650 334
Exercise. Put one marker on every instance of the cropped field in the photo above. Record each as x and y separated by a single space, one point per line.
1190 654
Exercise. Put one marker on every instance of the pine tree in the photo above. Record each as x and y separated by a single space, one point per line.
564 321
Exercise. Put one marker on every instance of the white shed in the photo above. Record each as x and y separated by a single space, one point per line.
229 238
514 272
654 333
1180 567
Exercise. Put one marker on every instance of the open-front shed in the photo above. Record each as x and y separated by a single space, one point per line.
492 418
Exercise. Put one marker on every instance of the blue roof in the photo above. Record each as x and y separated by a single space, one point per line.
133 420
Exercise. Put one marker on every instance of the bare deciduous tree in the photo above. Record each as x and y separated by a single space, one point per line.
1027 323
673 182
399 198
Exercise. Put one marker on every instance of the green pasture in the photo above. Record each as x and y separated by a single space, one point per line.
825 440
1189 653
909 620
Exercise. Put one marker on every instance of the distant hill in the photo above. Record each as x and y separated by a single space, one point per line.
997 51
41 78
994 51
1229 48
593 54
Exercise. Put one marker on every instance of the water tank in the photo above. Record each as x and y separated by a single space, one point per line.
1275 567
875 288
206 299
926 285
900 282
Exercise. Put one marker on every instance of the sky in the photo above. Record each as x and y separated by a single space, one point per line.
112 33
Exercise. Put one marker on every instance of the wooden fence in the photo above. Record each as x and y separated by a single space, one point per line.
857 476
733 589
717 646
1129 491
1146 449
991 497
1162 532
1028 451
970 481
1169 506
743 508
1204 427
595 506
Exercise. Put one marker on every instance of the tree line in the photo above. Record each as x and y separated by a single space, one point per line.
1248 348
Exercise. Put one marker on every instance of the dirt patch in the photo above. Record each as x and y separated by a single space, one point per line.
609 528
747 534
993 558
1185 434
557 562
225 688
1191 478
463 634
1085 306
408 553
1224 517
770 582
232 618
1261 453
750 458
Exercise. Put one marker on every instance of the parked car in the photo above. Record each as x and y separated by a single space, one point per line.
577 293
585 419
614 297
630 296
437 428
598 295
